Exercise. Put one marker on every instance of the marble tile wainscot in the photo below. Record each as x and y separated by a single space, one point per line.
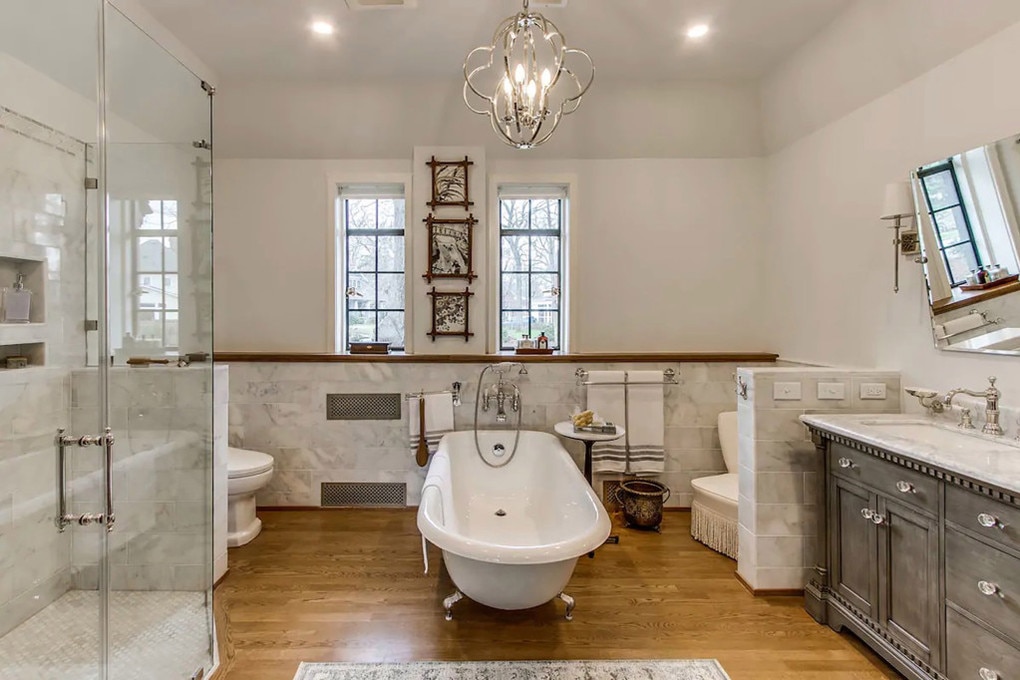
279 407
777 481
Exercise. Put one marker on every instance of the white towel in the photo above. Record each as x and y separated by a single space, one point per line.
438 420
646 426
607 402
965 323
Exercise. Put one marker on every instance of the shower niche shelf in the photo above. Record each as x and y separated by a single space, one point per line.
29 261
35 351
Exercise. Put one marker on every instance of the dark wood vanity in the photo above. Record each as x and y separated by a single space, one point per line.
919 561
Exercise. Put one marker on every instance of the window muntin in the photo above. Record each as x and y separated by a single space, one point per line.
155 305
531 265
372 223
944 200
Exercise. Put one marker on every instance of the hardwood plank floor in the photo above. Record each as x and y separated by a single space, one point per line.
347 585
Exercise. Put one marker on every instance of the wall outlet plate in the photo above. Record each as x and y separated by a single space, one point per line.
872 390
786 391
834 391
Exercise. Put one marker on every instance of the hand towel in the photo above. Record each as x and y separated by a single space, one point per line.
438 420
607 402
965 323
646 423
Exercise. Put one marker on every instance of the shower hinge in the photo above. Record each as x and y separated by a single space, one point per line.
91 325
91 183
202 144
209 89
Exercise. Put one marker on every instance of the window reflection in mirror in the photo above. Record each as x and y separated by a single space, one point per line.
968 223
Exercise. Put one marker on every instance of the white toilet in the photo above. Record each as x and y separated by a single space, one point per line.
247 472
714 509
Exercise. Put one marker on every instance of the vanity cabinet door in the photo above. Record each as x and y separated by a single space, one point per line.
908 568
853 545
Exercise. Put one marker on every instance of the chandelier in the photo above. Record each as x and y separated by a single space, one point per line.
523 81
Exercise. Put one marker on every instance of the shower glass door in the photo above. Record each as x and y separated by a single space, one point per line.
105 210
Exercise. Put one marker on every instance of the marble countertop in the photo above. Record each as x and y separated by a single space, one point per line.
983 458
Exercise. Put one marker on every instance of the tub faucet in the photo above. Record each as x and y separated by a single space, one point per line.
991 395
500 404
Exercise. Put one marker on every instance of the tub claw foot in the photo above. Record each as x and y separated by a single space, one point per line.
569 601
448 603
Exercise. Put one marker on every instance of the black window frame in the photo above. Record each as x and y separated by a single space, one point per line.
375 272
557 194
935 169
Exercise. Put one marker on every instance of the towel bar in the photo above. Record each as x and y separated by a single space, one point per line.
669 377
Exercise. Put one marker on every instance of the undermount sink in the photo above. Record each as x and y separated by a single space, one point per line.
936 434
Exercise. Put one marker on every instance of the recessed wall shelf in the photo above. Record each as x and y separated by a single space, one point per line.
29 261
35 351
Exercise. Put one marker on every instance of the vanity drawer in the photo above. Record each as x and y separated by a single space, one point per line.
973 511
974 654
985 581
894 481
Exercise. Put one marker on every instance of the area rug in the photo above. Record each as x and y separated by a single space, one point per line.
696 669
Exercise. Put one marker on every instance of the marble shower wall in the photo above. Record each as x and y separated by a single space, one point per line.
42 228
279 408
167 421
778 483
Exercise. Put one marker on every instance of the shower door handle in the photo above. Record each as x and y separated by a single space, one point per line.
64 518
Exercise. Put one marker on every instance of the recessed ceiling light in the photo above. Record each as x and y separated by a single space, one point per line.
323 28
697 31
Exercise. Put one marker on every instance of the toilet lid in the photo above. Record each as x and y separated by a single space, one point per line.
244 463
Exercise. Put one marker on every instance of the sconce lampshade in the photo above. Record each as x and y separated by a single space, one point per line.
899 200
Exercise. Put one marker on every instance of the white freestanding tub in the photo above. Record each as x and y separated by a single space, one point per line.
511 535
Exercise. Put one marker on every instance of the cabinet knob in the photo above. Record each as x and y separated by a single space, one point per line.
988 674
878 519
846 463
867 513
988 588
990 521
905 487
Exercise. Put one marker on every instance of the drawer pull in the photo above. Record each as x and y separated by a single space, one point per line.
989 588
878 519
990 521
905 487
988 674
846 463
867 513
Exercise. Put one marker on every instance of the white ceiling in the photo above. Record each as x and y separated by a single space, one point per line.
639 40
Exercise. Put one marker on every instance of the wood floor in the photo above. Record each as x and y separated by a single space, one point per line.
347 585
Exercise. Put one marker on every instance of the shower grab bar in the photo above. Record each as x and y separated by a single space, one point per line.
64 518
669 377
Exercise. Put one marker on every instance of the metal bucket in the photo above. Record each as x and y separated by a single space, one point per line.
642 501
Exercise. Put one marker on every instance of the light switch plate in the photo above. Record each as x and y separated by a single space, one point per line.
834 391
872 390
786 391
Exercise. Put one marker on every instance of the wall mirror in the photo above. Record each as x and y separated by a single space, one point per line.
969 224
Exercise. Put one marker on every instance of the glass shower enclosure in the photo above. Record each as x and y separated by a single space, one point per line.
107 446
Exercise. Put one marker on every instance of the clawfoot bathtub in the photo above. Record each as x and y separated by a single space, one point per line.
512 535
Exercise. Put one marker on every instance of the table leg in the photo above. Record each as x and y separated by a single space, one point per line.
587 475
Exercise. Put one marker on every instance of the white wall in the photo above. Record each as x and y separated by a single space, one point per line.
667 253
829 261
373 120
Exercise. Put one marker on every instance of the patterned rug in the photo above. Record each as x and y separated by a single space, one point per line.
699 669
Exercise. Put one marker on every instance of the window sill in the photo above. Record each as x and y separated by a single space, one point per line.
598 357
964 298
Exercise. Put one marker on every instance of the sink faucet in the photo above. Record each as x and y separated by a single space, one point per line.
991 395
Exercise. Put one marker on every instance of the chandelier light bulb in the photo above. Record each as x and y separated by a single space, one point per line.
527 79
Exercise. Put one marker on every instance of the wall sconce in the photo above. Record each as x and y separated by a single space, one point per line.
899 203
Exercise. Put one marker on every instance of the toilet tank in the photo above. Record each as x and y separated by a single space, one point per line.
728 439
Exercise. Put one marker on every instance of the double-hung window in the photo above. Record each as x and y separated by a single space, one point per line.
531 245
372 280
944 202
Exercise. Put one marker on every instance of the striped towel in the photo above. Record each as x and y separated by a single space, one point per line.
642 450
607 402
438 420
647 423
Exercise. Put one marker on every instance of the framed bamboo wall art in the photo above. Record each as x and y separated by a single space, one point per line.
450 314
450 248
450 186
